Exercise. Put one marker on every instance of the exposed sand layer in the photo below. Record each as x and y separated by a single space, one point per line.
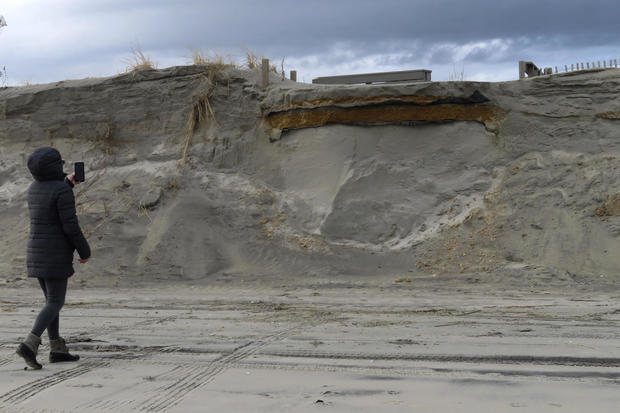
195 172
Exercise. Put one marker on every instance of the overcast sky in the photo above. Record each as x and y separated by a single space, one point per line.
49 40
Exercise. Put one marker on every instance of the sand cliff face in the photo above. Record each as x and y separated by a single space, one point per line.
196 172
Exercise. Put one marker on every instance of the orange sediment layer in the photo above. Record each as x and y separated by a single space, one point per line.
383 113
610 115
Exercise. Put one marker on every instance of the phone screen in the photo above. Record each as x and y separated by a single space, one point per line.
79 171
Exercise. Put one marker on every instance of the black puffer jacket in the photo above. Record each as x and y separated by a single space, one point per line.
54 229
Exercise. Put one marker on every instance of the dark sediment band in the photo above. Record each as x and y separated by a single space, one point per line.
382 110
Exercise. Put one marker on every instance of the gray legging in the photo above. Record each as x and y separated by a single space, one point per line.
55 291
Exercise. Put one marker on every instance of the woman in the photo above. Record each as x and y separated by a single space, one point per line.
54 235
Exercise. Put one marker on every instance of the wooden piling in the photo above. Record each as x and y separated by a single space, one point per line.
265 70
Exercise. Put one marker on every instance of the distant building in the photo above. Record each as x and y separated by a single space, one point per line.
403 76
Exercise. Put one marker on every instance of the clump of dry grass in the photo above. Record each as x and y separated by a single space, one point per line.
201 112
251 60
218 71
215 62
139 61
199 57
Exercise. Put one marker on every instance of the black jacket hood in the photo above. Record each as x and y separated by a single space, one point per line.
45 164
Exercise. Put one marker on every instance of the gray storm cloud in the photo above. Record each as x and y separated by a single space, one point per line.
388 33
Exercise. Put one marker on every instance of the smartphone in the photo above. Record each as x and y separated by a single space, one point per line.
79 171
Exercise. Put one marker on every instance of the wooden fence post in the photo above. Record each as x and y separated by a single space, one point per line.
265 67
521 69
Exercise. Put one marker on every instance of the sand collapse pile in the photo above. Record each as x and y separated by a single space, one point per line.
196 172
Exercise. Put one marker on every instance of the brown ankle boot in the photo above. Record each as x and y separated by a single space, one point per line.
59 351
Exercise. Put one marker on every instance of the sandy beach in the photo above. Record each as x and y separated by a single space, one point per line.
339 344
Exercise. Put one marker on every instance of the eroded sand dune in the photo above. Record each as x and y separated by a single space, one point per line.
196 172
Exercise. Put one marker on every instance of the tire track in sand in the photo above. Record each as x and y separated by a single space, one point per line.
5 360
180 381
137 393
175 393
28 390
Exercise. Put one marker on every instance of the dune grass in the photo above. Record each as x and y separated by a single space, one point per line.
252 61
215 62
199 57
202 111
139 61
